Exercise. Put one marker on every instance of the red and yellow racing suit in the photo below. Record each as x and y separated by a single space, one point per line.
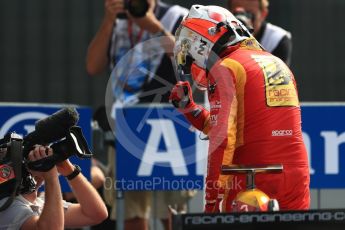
254 118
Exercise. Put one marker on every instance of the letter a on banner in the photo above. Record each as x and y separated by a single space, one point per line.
162 129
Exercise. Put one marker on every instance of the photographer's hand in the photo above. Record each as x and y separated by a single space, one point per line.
113 8
149 22
65 167
52 216
38 153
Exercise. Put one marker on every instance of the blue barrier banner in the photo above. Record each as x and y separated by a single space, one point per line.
324 135
157 150
21 118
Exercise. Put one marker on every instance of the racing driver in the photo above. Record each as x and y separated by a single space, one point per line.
254 115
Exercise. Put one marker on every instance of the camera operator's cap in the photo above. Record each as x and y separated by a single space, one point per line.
206 30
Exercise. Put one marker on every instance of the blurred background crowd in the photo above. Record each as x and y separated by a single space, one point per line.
43 46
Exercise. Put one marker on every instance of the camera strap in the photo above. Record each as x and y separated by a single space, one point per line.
16 158
131 35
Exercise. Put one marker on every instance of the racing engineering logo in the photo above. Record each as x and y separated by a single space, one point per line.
279 217
279 86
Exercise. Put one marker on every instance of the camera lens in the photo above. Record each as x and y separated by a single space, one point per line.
138 8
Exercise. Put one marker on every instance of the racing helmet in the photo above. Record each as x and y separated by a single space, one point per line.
254 200
202 35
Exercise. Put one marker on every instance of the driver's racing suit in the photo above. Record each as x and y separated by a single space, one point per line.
254 118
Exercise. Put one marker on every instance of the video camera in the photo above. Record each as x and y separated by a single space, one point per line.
60 131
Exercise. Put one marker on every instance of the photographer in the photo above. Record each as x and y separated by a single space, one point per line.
146 76
274 39
120 38
29 211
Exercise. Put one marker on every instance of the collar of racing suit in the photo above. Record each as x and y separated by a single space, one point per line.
250 43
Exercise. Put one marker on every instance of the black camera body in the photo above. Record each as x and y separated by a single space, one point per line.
74 143
59 131
137 8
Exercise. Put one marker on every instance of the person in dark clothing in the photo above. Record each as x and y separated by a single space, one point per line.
273 38
138 67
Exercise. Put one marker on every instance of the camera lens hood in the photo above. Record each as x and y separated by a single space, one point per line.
137 8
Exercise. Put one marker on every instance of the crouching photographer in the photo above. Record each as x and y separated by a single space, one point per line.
21 206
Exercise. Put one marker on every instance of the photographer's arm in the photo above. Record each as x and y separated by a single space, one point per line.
52 216
91 209
151 24
97 54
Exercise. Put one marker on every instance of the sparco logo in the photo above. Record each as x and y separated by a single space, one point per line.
281 133
8 126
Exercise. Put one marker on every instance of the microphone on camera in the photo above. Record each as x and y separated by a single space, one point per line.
53 127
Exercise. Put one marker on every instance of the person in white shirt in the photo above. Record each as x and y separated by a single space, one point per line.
28 211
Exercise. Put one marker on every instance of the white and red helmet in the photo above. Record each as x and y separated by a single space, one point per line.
201 37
